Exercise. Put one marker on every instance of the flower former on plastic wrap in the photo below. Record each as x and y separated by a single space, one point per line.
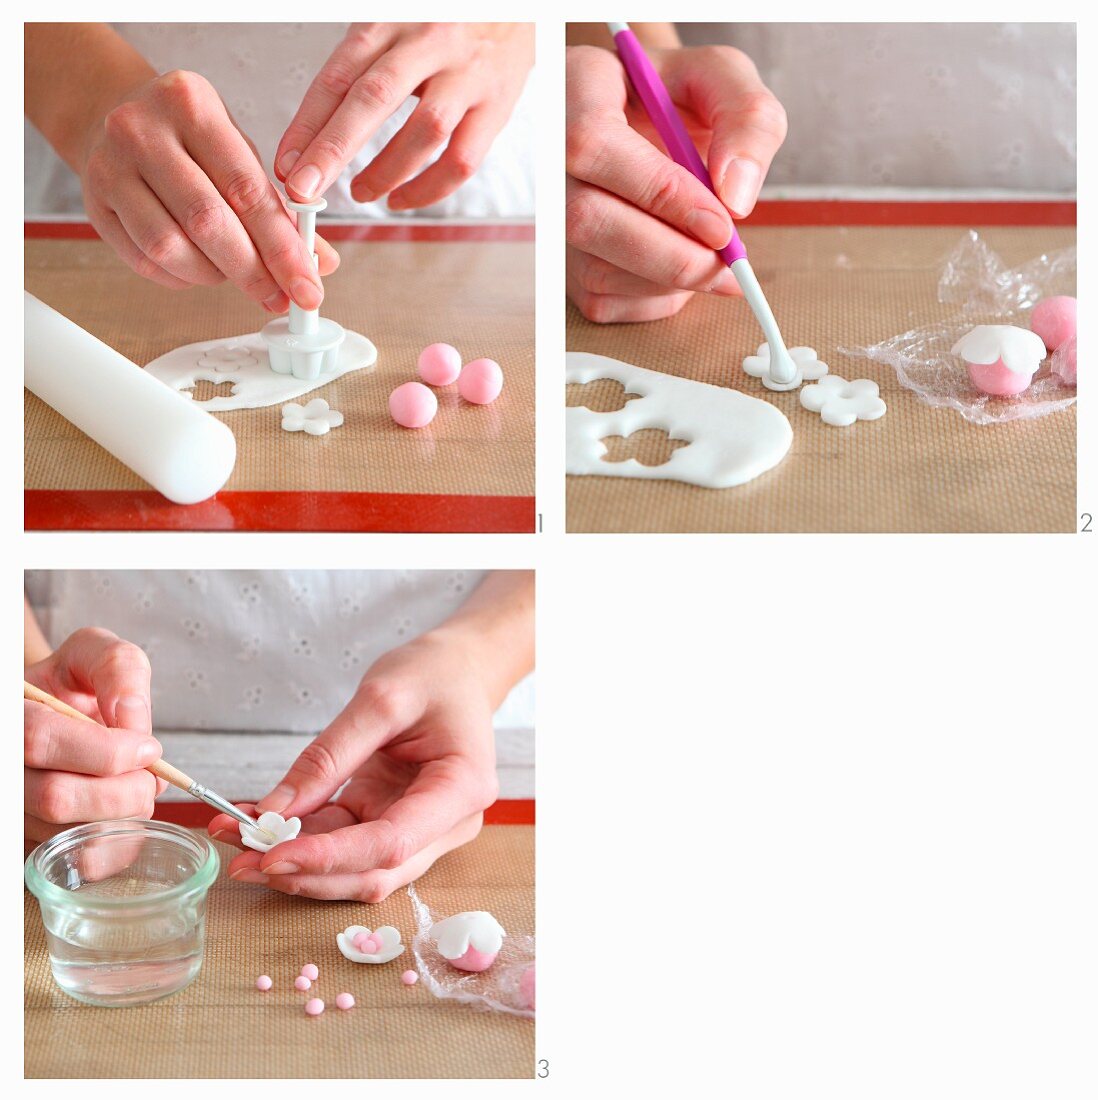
840 402
811 367
316 418
983 292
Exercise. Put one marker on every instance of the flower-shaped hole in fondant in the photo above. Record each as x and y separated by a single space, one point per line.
227 357
271 825
811 368
840 402
389 944
316 418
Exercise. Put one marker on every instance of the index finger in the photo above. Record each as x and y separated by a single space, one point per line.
444 793
604 150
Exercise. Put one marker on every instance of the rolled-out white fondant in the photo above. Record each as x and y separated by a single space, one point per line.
177 447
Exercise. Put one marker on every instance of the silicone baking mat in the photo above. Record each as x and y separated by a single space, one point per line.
222 1026
917 469
402 294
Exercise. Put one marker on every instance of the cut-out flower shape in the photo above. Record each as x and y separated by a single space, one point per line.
272 825
386 939
316 418
811 368
840 402
226 358
455 935
1018 349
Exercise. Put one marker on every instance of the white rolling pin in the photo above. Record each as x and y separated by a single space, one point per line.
177 447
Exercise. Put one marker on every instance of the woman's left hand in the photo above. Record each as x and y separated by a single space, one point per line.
416 750
467 77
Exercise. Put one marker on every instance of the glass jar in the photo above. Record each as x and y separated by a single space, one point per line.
124 907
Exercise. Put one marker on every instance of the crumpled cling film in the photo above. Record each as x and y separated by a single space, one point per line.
496 988
986 293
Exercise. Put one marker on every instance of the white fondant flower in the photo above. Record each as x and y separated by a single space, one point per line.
840 402
316 418
271 823
1020 349
811 368
454 935
226 357
390 944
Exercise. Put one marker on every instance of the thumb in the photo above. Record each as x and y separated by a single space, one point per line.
747 123
326 763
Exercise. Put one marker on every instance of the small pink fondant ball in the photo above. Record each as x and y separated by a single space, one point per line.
474 961
314 1007
439 364
413 405
263 982
526 987
363 942
481 381
996 379
1053 319
1064 362
345 1000
310 971
302 983
409 977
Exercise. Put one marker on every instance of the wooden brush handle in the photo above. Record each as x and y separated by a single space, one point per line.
162 769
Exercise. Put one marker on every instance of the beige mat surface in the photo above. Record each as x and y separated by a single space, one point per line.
917 469
221 1026
476 295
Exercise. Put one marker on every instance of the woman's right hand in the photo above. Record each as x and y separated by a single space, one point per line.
175 188
74 771
641 230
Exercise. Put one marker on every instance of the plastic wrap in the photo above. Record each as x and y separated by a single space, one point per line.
496 988
985 292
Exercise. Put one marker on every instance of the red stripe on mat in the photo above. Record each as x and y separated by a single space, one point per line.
197 815
488 231
850 212
147 510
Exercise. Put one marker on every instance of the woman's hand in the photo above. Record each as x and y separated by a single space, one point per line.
467 77
416 750
641 230
179 192
74 771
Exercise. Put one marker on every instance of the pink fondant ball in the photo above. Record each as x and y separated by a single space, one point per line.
474 960
526 987
263 983
481 381
301 983
1064 362
409 977
413 405
439 364
1053 319
345 1000
997 380
310 971
314 1007
363 942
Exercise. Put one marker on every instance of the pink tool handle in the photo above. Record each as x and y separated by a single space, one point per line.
668 123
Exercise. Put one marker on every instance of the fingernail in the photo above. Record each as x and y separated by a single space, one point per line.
132 713
726 283
709 227
740 185
283 867
362 193
149 753
287 161
306 181
276 302
248 875
218 835
305 293
278 799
